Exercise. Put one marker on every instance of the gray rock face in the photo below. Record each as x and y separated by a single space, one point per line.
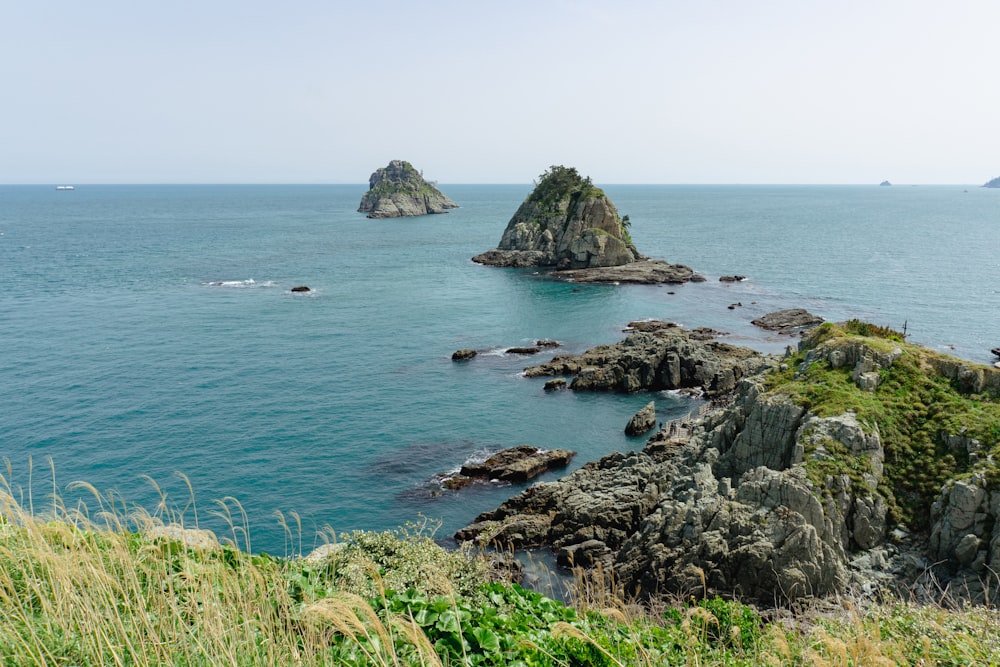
705 510
399 190
565 223
518 464
642 421
653 360
966 525
785 320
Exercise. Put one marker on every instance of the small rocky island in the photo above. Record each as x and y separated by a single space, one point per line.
399 190
995 183
569 225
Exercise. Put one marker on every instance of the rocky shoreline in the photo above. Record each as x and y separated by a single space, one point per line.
766 495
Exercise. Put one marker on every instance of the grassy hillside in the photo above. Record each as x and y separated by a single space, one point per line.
73 592
920 415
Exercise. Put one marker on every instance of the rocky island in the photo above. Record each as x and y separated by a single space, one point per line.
569 225
994 183
859 462
399 190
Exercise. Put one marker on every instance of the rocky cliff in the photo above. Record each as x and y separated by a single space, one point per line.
399 190
567 223
853 462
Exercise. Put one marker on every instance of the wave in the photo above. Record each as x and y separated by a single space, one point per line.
249 282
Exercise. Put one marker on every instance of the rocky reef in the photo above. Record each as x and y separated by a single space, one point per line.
858 462
655 356
399 190
569 224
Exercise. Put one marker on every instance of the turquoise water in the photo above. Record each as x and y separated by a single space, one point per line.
149 330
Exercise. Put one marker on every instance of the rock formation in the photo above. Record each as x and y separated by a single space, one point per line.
806 480
399 190
653 359
786 320
567 223
514 465
993 183
642 421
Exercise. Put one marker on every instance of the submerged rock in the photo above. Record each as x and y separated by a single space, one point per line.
399 190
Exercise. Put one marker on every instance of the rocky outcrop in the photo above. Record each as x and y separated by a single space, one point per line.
722 503
992 183
641 272
399 190
464 354
513 465
566 223
643 421
654 359
779 490
787 320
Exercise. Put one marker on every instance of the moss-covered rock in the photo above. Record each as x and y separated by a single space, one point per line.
399 190
566 223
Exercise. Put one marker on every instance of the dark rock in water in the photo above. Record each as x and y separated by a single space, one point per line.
463 354
784 320
996 351
705 333
545 342
522 350
651 326
641 272
731 279
399 190
642 421
555 385
301 288
653 360
518 464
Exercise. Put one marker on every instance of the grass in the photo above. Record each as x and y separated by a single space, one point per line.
111 589
914 408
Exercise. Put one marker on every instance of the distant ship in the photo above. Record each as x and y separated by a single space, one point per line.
65 187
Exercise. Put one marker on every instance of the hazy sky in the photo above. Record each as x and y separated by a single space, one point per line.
674 91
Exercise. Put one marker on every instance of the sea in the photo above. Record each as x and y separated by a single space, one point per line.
154 357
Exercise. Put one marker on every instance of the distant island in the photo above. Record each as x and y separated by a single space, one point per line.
571 226
885 183
399 190
995 183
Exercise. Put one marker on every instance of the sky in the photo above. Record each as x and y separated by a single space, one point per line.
668 91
